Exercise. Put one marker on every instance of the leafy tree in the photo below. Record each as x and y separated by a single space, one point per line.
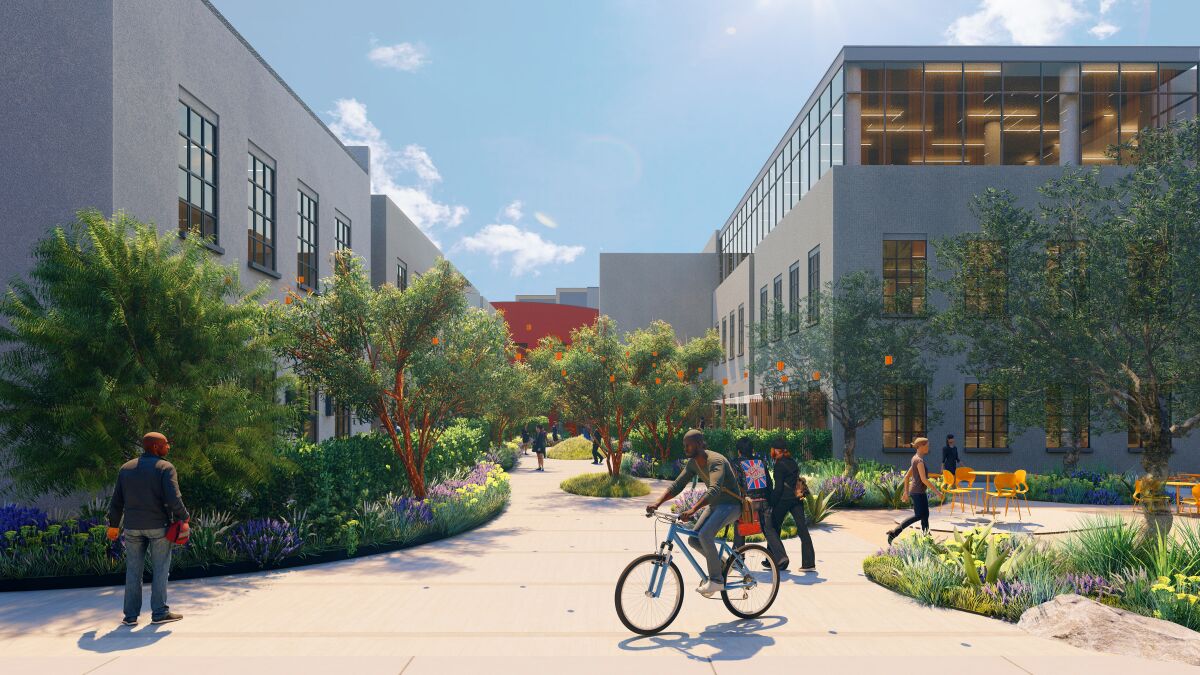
844 355
1095 293
120 330
678 391
412 360
517 397
596 379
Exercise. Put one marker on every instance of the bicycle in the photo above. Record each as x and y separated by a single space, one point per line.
651 586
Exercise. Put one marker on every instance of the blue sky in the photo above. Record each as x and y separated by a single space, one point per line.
526 137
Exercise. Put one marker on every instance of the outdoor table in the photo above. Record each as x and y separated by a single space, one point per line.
1178 485
987 481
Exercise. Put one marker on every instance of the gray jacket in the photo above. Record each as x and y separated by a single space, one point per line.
147 494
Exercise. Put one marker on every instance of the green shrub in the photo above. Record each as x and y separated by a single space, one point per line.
576 447
600 484
505 455
804 443
884 569
1107 545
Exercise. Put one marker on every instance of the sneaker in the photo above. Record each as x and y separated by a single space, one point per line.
810 568
892 534
167 618
129 621
781 566
707 589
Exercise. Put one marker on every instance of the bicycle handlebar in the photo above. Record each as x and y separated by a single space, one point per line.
664 516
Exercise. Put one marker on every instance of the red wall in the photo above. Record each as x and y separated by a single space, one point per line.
529 322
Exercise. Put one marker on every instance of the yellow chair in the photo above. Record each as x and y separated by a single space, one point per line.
1006 489
1138 485
956 493
965 477
1022 490
1194 500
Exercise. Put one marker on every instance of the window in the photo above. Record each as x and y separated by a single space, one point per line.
724 339
986 279
341 420
306 253
794 297
341 233
197 173
741 330
401 275
1067 416
814 286
731 329
1066 272
903 414
777 324
903 276
261 225
762 316
985 417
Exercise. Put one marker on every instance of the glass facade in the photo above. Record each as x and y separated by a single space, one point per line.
966 113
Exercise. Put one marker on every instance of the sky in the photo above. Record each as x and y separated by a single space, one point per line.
528 137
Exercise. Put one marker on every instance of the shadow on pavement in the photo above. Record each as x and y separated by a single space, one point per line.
802 578
729 641
121 639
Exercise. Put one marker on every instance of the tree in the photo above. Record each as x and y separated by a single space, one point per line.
678 391
119 331
596 380
412 360
516 397
844 355
1101 296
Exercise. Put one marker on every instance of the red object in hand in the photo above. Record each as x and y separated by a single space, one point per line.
113 533
179 532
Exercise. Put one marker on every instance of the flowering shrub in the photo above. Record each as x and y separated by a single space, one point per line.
686 500
1079 487
1090 585
265 541
891 487
1175 599
13 517
1102 496
637 466
844 490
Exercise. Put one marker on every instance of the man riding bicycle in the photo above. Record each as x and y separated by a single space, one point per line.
722 503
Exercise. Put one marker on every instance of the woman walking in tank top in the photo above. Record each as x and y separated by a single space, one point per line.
918 485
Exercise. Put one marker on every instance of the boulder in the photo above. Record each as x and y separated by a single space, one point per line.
1088 624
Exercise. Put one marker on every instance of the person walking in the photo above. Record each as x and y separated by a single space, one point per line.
721 502
919 485
756 481
147 500
524 440
597 457
555 428
950 455
539 447
787 496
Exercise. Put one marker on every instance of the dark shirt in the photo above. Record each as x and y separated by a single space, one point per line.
524 436
786 473
718 476
950 458
539 441
756 480
147 494
916 486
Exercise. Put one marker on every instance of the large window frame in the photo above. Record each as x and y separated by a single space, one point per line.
198 170
794 297
401 274
724 339
261 231
308 241
763 312
777 318
741 330
985 418
341 232
905 414
905 268
1058 433
814 286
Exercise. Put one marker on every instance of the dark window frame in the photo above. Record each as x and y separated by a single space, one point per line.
741 310
763 310
974 420
261 230
900 408
204 142
814 286
794 297
777 315
401 274
341 232
916 276
308 241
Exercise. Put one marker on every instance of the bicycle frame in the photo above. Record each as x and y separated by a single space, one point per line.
666 549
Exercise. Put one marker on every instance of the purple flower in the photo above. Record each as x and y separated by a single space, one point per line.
413 510
845 489
1088 584
1102 496
639 467
13 517
1005 592
1090 476
686 500
266 541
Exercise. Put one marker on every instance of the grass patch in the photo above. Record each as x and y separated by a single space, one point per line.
602 485
575 447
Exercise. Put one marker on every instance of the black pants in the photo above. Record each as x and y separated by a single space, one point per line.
770 533
596 456
808 558
920 512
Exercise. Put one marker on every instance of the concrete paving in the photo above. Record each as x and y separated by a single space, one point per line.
532 591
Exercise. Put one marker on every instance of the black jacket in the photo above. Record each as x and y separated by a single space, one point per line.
147 494
786 473
950 457
539 441
740 469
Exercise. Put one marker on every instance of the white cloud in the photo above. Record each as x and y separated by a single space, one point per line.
513 211
545 219
1103 30
1023 22
391 169
403 56
1106 5
731 30
525 251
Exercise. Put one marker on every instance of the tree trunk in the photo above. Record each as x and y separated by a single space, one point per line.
1157 454
1071 459
848 444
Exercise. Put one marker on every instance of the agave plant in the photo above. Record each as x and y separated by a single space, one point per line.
891 485
818 506
997 552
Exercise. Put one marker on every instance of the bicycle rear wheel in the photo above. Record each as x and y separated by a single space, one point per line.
754 567
641 611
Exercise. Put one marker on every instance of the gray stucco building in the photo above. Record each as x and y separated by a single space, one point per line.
884 158
164 111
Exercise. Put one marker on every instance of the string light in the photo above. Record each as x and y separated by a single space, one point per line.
779 365
887 360
558 356
725 381
816 375
435 341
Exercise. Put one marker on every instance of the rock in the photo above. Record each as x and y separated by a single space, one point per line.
1088 624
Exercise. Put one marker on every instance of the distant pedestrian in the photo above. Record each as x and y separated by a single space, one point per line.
597 456
148 500
756 480
788 495
950 455
557 425
524 440
917 484
539 447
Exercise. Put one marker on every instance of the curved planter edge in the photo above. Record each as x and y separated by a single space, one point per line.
226 569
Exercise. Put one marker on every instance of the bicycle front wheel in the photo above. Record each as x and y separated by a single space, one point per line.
641 609
755 580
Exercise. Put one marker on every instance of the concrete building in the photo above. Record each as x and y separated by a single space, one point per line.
882 159
585 296
164 111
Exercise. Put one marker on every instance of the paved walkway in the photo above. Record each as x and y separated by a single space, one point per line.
531 592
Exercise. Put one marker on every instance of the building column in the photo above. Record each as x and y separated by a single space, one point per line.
1068 115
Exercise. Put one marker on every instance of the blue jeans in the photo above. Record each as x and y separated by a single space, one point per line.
710 522
136 543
